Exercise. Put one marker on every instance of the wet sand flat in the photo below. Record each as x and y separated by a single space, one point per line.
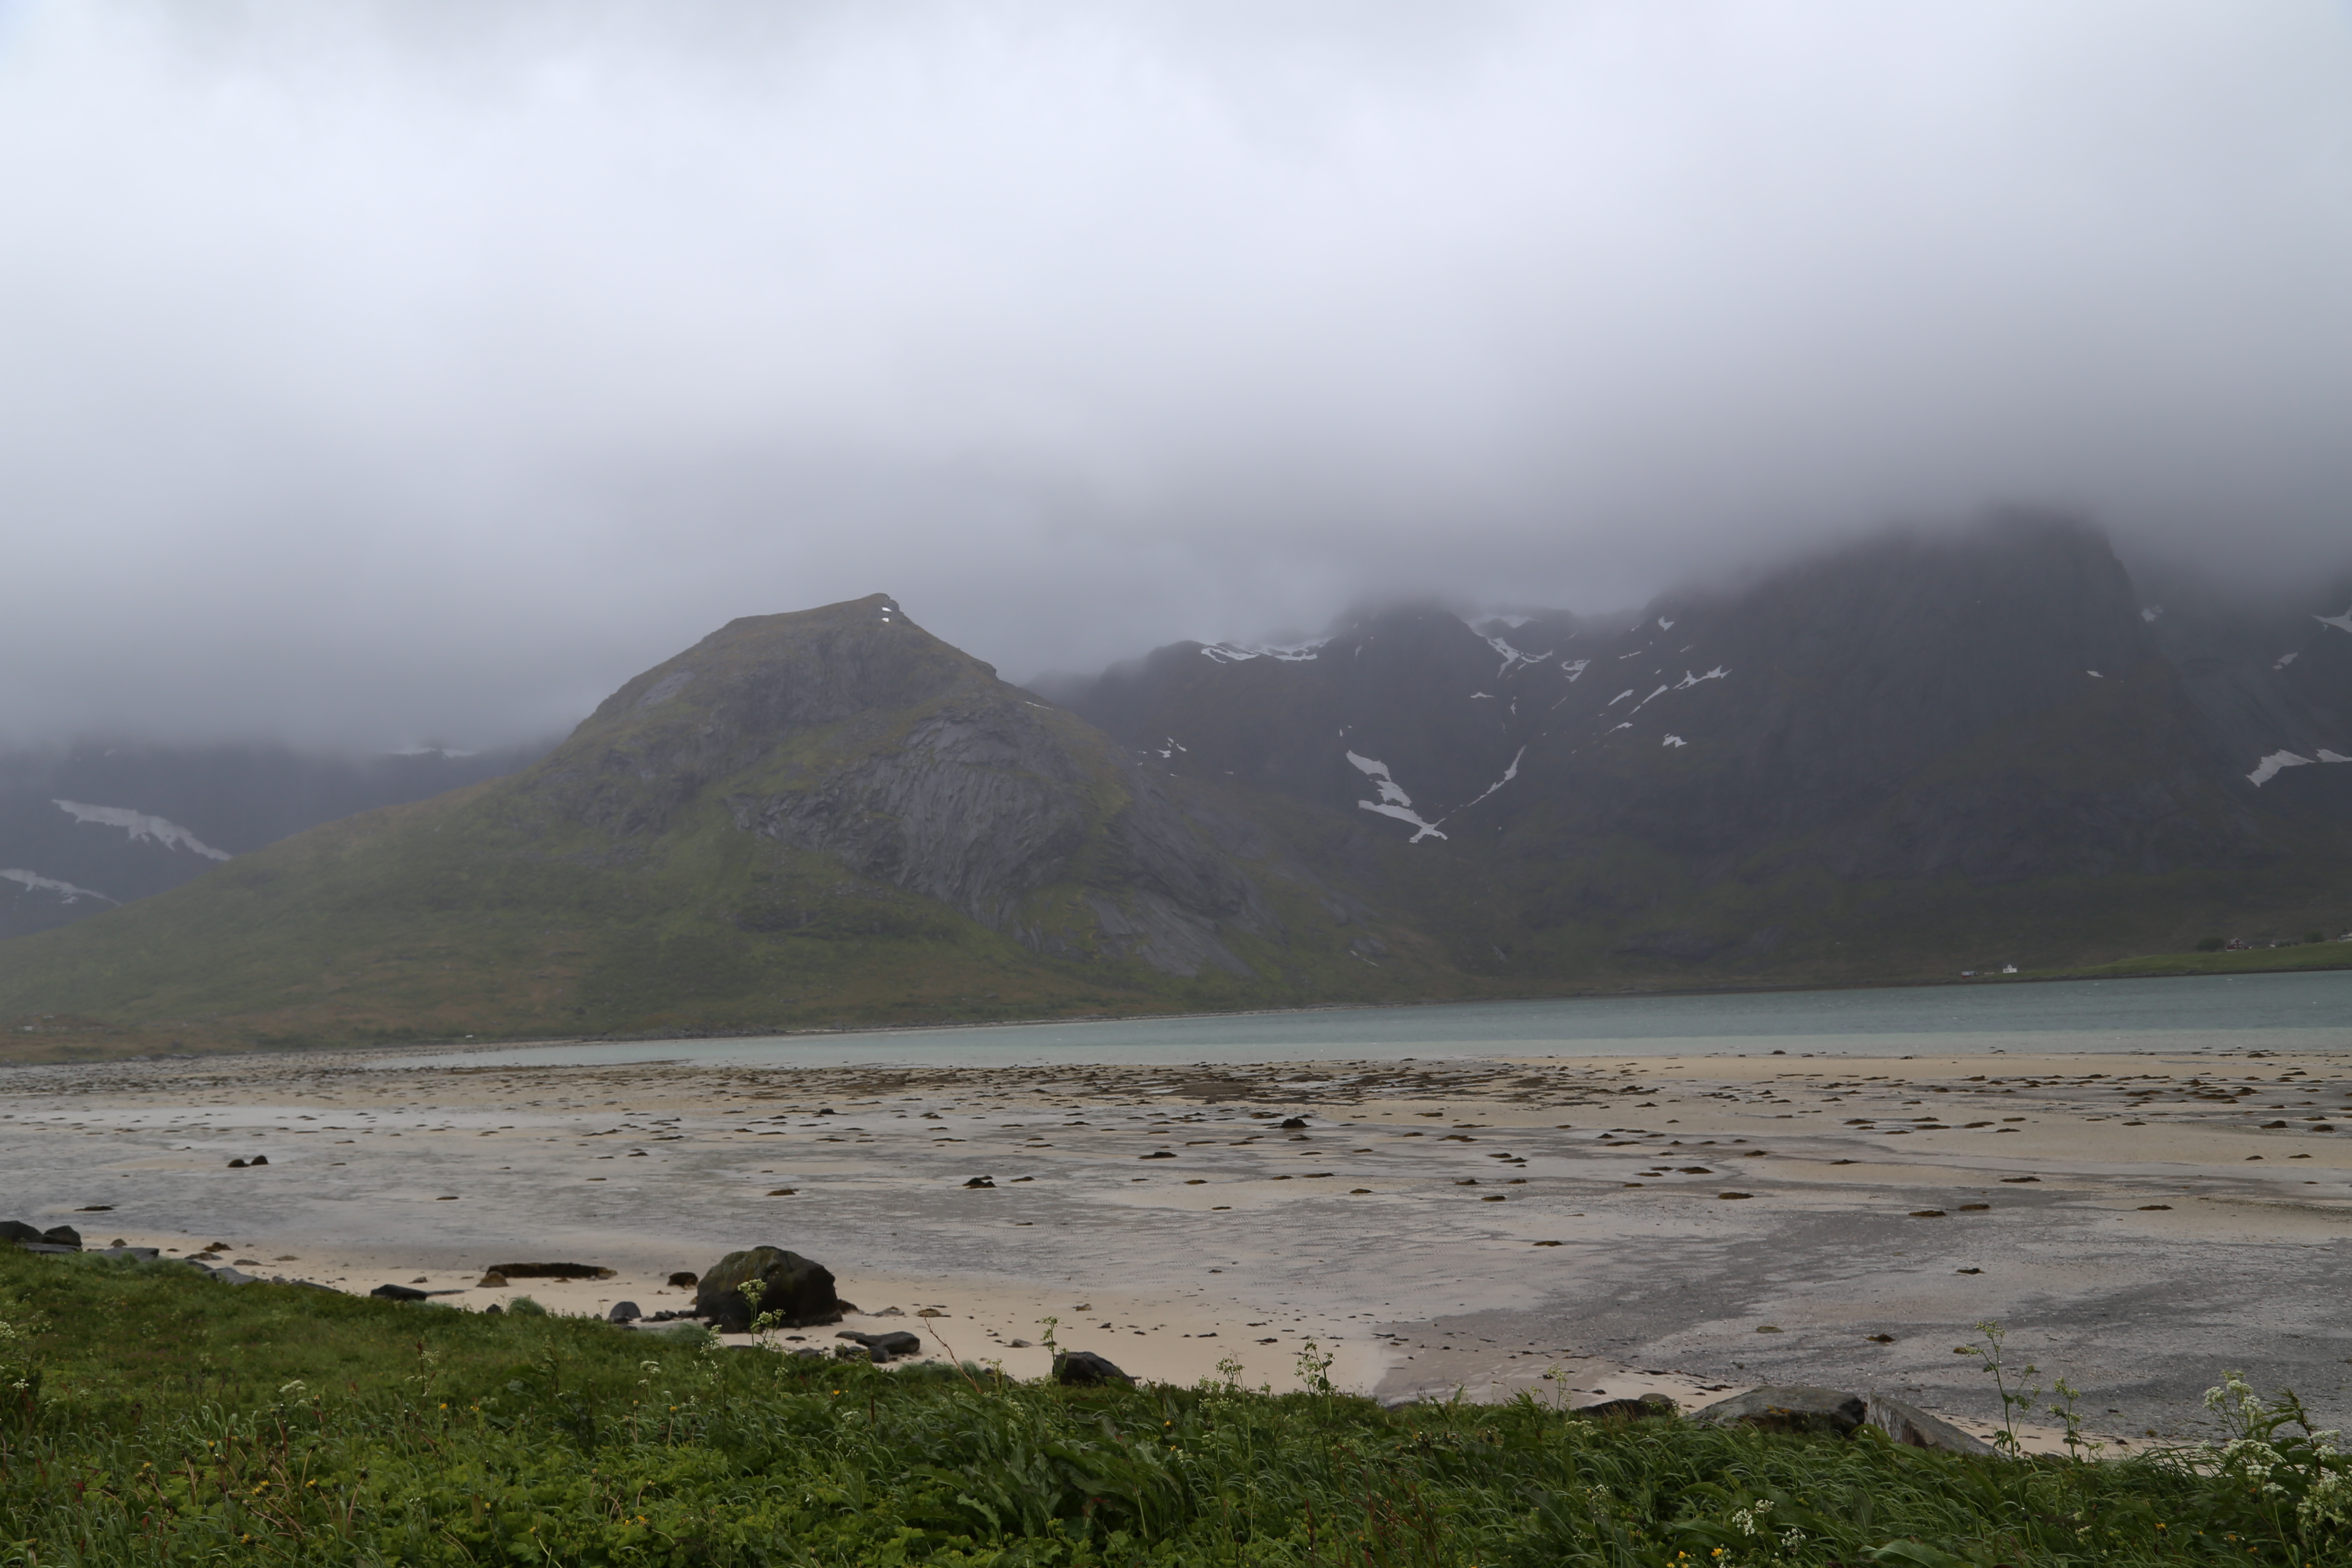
2138 1221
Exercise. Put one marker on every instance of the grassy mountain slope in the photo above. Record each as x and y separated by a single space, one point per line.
806 820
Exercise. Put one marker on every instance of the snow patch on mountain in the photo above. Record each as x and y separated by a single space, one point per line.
2327 756
34 882
2286 658
1286 653
1393 801
2149 612
2270 767
1674 740
1689 680
138 824
1574 667
1509 775
1619 698
2341 623
1664 625
1172 748
1512 656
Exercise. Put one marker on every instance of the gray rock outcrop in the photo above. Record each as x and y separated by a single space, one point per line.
1908 1423
1796 1408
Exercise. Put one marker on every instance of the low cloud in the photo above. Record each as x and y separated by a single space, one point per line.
380 371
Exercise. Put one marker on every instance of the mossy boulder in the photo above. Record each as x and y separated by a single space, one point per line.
800 1289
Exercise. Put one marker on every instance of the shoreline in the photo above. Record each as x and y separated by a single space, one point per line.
1436 1225
461 1046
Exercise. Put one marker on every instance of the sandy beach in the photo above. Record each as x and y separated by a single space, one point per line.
1585 1228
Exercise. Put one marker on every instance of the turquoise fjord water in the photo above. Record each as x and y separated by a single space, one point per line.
2307 1011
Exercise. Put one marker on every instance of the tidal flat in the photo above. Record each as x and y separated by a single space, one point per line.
1585 1226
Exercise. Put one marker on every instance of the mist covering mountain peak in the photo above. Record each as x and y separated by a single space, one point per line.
1922 749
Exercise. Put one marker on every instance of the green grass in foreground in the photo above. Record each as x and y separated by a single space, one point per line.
148 1416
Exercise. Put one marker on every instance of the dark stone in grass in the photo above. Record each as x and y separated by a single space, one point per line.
856 1352
63 1236
1648 1405
45 1247
1791 1409
1909 1424
624 1312
399 1293
799 1290
896 1342
1081 1368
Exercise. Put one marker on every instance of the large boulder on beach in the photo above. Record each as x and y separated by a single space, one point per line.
1797 1408
799 1290
17 1230
62 1235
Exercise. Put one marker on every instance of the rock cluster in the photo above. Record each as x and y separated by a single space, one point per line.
57 1238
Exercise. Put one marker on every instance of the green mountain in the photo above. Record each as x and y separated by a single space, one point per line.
806 820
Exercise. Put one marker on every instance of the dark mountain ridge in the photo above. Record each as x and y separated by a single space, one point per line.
1966 709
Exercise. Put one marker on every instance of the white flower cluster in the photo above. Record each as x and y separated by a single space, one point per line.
10 1334
2326 1496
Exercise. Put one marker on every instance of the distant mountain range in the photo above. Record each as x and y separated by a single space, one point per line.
86 829
1922 752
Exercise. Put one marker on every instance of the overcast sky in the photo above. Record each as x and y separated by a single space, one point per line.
373 372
